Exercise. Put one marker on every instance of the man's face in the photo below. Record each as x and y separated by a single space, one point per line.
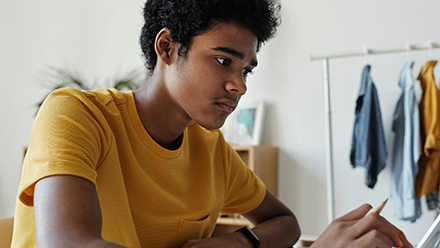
210 80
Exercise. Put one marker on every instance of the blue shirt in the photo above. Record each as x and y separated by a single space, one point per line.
406 149
368 147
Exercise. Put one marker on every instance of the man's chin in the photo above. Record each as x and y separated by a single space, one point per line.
210 125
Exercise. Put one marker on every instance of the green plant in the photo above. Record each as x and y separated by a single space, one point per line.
63 78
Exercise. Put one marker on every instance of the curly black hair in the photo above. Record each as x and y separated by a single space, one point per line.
188 18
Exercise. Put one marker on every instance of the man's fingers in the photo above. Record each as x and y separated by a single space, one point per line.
376 222
356 229
398 234
356 214
374 239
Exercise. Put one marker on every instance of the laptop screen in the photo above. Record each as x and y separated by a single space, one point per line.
431 239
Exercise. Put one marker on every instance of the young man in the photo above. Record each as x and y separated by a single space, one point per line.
149 168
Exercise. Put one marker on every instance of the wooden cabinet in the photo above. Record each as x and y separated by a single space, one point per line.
263 161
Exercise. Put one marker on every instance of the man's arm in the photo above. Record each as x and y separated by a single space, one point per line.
67 213
275 225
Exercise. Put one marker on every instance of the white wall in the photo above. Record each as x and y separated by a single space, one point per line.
293 85
100 38
97 38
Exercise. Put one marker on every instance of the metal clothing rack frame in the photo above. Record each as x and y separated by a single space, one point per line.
329 135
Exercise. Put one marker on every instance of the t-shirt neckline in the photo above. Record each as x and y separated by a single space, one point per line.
148 141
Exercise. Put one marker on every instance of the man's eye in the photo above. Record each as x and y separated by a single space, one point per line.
225 62
246 72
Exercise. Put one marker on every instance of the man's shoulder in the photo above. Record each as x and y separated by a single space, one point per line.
102 95
102 103
101 99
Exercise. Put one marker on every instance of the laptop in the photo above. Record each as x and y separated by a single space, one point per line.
431 239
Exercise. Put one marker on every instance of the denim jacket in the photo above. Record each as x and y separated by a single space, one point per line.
406 149
368 148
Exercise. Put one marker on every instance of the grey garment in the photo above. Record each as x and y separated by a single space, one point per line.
432 200
406 149
368 147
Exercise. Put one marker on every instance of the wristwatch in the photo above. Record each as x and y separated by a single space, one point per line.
250 235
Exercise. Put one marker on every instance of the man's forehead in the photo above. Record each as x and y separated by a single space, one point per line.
233 38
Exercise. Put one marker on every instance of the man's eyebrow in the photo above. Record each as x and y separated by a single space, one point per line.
235 53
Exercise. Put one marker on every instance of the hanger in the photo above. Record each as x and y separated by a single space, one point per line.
366 52
429 49
408 51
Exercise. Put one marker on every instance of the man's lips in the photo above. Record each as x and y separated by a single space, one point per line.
227 106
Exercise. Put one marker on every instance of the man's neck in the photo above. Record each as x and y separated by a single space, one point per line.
159 114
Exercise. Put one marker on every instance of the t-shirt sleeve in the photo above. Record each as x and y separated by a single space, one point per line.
66 139
244 190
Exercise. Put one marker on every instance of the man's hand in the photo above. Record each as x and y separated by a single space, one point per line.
357 230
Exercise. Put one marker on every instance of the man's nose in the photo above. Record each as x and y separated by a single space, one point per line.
237 84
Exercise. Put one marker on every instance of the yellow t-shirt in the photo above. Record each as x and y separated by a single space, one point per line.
149 196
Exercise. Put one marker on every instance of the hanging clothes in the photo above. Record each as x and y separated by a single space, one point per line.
406 149
368 148
432 200
429 109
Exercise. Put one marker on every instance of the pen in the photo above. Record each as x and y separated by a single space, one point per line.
377 208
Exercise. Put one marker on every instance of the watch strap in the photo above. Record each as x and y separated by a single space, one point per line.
250 235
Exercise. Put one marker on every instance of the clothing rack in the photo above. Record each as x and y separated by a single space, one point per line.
329 135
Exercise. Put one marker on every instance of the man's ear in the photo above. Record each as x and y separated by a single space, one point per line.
165 48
